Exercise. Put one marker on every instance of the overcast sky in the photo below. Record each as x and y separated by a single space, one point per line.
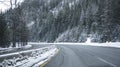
5 4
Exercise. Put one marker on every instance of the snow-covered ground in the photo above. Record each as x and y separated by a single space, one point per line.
88 42
109 44
35 59
10 49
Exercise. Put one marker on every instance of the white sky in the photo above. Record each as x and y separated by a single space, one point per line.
5 4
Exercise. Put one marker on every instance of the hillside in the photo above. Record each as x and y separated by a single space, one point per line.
72 20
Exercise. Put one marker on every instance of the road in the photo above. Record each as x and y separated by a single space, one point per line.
85 56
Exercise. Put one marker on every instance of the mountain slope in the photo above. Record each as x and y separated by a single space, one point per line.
72 20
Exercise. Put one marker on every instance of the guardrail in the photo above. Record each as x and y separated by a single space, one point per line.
23 59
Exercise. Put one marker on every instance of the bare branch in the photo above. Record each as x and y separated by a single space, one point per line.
15 2
11 3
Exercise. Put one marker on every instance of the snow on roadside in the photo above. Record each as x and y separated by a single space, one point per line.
3 49
27 46
88 42
35 59
36 62
14 48
27 51
109 44
43 43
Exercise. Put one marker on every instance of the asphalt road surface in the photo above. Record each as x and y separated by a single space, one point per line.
85 56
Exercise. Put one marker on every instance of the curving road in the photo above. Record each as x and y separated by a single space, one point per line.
85 56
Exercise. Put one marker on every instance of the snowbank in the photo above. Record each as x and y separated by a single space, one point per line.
109 44
14 48
27 46
88 42
35 59
43 43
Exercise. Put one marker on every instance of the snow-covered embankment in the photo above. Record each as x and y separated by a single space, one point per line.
35 59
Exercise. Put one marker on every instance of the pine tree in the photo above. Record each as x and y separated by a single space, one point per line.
4 40
22 32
